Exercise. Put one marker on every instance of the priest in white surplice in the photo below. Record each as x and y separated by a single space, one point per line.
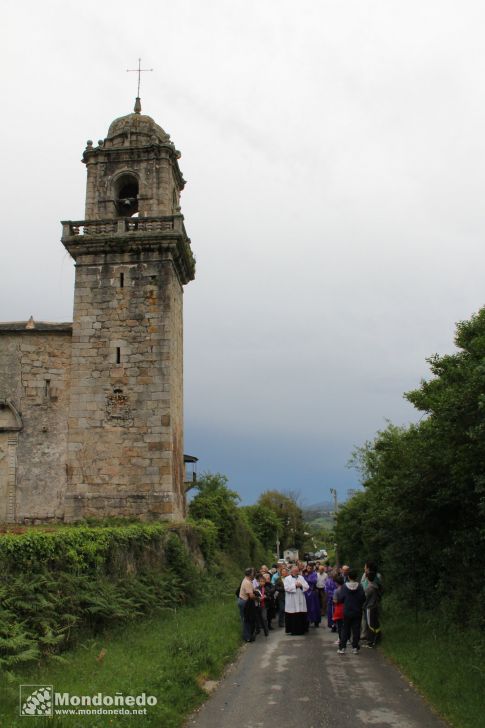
296 618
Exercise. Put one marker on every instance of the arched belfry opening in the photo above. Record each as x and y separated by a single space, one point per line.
126 193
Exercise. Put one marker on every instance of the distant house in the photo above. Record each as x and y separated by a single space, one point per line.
291 554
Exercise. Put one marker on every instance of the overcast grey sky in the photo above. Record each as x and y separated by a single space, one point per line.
334 153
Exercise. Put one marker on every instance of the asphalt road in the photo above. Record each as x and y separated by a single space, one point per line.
301 682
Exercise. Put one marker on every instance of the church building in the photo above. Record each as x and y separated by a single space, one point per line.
91 412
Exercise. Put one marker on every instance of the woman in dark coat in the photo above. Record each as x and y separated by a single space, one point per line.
270 600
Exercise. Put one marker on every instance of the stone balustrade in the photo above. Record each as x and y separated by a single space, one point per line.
122 225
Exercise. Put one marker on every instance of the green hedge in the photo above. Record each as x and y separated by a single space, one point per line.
60 583
56 585
79 548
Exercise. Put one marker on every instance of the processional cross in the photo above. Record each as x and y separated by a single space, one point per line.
139 71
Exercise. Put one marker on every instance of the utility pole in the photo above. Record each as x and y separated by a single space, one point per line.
333 491
335 502
278 536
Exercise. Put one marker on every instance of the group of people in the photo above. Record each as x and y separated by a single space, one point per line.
302 594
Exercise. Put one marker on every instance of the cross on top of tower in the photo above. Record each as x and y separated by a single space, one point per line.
139 71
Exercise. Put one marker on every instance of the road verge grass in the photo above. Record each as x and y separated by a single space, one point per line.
445 663
168 656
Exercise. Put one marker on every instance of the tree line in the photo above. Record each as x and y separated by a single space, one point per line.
421 514
248 532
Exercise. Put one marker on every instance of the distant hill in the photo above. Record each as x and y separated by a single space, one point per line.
319 516
312 512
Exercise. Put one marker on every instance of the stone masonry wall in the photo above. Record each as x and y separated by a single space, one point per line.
176 392
123 404
34 375
158 193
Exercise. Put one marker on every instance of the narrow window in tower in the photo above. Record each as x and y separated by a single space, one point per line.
118 355
47 387
122 280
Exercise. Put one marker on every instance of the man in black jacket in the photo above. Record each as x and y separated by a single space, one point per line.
353 596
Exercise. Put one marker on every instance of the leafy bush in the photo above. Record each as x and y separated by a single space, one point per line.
265 524
16 646
81 548
286 509
207 534
81 578
217 505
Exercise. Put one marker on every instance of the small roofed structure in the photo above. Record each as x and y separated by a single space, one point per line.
190 462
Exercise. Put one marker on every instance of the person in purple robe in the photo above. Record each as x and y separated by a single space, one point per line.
330 587
312 597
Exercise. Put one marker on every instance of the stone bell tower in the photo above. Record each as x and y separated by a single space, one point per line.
132 258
